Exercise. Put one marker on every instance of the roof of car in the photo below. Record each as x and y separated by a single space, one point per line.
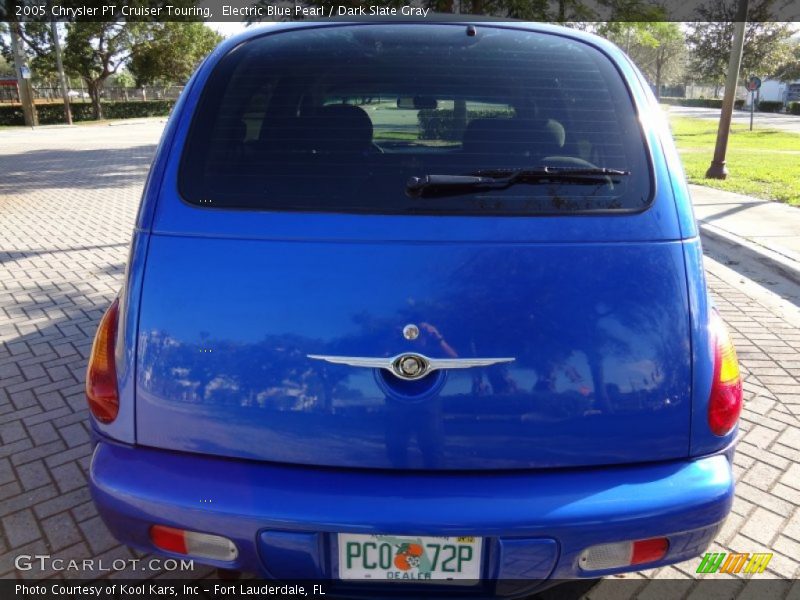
438 19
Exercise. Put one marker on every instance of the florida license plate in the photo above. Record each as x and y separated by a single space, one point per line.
409 558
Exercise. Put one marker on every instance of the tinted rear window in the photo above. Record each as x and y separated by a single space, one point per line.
340 118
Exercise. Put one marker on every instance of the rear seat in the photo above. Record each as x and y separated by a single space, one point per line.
499 139
337 129
333 129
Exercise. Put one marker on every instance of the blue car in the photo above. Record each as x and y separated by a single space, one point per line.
415 308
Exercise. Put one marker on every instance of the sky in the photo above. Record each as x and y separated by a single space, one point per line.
228 29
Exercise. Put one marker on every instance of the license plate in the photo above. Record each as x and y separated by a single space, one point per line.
409 558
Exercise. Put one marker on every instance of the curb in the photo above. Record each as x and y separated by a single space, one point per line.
783 264
89 123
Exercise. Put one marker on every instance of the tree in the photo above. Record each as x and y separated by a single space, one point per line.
6 70
171 52
665 62
657 47
562 11
633 11
533 10
122 79
630 36
709 41
36 48
95 51
6 61
789 68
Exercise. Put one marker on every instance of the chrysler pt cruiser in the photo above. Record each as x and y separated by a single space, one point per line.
416 307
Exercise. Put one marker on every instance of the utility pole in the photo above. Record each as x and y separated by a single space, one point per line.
23 82
718 170
60 66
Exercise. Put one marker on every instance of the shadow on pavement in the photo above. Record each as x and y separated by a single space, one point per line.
14 255
62 168
569 590
753 267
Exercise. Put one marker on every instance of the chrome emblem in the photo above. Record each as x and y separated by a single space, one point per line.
410 366
411 331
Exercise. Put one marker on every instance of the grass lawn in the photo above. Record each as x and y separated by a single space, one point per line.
408 136
764 162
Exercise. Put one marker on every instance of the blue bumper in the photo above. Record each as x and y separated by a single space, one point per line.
283 519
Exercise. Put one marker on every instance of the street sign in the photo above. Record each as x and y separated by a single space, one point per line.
25 73
752 85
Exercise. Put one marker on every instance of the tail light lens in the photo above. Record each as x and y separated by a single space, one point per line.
192 543
101 375
623 554
647 551
725 403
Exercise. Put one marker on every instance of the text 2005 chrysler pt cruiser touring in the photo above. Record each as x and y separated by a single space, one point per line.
416 304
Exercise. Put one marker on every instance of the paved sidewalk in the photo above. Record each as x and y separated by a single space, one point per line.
769 228
68 199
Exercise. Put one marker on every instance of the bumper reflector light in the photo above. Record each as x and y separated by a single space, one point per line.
647 551
623 554
192 543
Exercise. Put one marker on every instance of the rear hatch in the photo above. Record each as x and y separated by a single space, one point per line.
290 252
598 333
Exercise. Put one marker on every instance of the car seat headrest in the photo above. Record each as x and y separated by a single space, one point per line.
338 128
526 137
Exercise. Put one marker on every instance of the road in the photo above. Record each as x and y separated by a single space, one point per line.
790 123
68 198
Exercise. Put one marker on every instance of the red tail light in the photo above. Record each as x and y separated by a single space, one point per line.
169 538
193 543
725 404
101 375
623 554
647 551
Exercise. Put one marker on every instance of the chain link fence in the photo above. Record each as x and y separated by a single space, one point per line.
46 94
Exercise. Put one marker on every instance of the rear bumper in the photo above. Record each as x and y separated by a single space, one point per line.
283 519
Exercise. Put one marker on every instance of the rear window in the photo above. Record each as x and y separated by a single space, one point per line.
342 118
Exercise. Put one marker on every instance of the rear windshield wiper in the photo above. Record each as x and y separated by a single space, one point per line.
499 179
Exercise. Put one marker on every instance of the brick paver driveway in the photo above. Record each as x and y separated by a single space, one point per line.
68 198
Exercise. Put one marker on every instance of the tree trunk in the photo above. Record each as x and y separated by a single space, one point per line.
62 78
94 87
659 65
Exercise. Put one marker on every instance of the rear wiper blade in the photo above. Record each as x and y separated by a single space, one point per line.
498 179
551 172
